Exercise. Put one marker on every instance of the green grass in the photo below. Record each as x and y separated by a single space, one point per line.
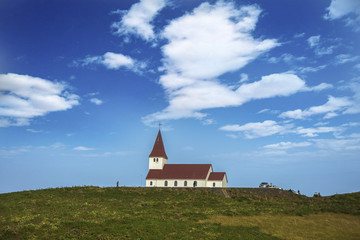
155 213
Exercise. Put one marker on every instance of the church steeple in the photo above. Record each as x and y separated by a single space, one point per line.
158 149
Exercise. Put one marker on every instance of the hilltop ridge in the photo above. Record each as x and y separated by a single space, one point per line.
164 213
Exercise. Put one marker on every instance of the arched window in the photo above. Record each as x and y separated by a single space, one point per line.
150 183
175 184
166 183
154 159
157 160
195 183
185 183
213 184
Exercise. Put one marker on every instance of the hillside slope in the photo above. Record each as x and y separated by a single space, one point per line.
164 213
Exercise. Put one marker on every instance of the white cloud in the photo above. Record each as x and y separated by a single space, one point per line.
188 97
138 19
194 57
287 145
24 97
195 51
82 148
117 60
258 129
333 105
96 101
110 60
278 84
341 8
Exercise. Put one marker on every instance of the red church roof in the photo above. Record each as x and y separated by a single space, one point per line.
217 176
180 171
158 149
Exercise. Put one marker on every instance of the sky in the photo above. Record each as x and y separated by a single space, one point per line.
266 91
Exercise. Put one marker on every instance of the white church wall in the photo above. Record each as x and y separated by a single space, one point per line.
224 182
171 183
210 183
157 162
151 183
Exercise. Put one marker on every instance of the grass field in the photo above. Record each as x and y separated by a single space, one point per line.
164 213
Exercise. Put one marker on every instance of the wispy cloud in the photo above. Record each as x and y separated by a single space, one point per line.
108 154
286 58
33 130
82 148
348 144
269 127
333 107
96 101
258 129
314 41
345 58
287 145
311 69
24 97
110 60
137 20
314 132
319 48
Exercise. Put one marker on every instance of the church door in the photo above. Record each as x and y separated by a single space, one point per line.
195 183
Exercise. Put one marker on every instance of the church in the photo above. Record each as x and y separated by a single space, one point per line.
162 174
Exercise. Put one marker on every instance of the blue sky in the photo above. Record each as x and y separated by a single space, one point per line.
266 91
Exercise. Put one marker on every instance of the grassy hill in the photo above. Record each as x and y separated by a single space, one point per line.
163 213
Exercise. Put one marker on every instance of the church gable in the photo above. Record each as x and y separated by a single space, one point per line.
217 176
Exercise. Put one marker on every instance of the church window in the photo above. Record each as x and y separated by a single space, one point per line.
185 183
195 183
166 183
157 160
150 183
175 183
154 159
213 184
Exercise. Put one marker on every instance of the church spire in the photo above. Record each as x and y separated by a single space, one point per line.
158 149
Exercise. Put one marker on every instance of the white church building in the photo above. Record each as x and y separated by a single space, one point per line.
162 174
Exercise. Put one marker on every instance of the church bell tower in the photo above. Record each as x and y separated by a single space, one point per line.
158 157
